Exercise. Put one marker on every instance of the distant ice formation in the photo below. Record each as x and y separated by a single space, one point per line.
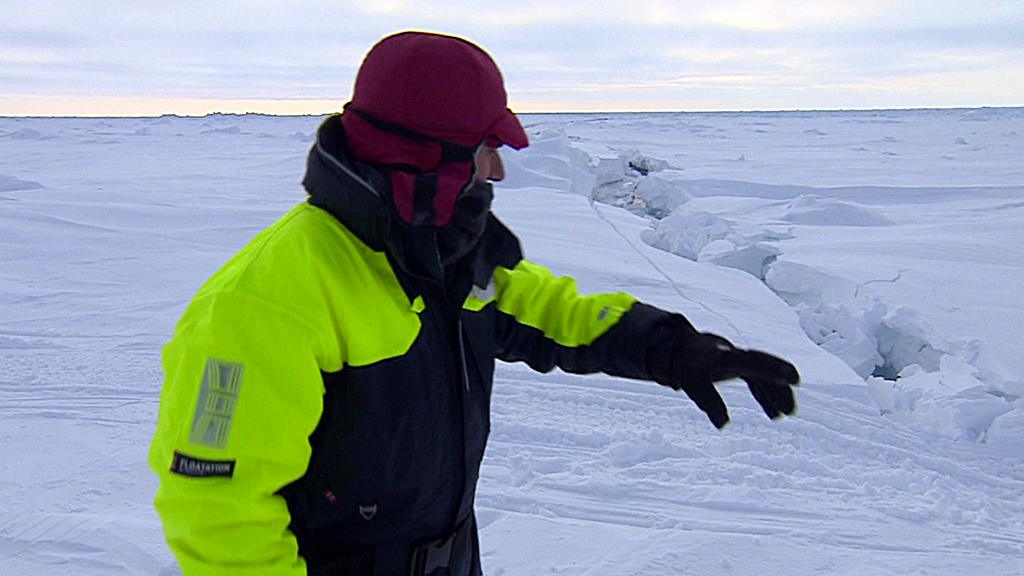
813 209
910 369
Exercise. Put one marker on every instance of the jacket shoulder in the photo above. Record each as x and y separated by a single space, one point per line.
303 245
308 267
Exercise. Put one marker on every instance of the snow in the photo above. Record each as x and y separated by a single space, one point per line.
10 184
879 251
811 209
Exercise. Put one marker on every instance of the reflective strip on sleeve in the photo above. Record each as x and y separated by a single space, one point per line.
215 409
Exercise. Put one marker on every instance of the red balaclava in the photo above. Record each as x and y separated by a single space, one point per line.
422 104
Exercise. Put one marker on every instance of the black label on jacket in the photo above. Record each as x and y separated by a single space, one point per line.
199 468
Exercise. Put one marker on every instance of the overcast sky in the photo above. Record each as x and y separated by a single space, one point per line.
87 57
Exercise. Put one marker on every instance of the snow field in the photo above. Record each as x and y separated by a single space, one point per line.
949 385
774 230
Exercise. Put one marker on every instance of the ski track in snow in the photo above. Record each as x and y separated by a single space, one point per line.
584 475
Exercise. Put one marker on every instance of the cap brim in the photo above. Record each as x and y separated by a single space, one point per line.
509 131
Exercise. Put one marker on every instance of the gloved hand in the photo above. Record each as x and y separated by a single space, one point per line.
684 359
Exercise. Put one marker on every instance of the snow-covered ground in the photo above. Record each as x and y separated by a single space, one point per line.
880 251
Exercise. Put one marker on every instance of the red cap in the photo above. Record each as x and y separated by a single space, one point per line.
441 86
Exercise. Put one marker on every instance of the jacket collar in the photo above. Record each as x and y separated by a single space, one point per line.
351 191
358 195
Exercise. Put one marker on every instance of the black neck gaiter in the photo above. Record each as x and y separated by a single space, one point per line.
469 219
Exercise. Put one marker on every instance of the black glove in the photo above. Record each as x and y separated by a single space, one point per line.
683 359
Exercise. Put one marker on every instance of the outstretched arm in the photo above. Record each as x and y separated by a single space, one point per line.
545 322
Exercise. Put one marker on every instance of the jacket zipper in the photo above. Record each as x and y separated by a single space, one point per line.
462 350
464 369
458 327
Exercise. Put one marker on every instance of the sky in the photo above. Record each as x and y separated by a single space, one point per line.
141 57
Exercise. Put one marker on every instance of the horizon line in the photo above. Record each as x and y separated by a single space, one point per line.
531 113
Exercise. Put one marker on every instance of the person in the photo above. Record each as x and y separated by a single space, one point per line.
327 396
